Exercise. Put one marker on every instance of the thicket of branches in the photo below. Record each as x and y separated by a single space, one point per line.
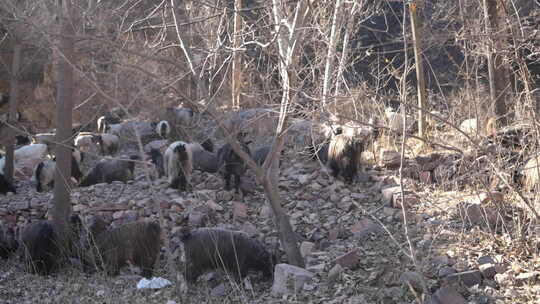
129 51
348 58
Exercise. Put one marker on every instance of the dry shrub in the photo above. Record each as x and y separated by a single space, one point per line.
531 173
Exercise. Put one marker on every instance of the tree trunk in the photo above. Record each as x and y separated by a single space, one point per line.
498 82
421 82
64 107
287 42
13 101
345 49
236 86
329 67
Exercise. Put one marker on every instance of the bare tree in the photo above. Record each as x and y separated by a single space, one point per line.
236 85
13 100
16 31
419 64
64 107
498 83
331 54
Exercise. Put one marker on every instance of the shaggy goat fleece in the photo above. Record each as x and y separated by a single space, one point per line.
5 185
108 143
45 170
109 170
8 242
40 241
137 242
157 159
259 155
179 165
344 156
320 152
233 251
232 165
163 129
208 145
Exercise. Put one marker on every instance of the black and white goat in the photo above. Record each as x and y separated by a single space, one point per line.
344 156
104 122
102 125
163 129
179 165
108 143
44 172
45 138
27 157
84 141
21 140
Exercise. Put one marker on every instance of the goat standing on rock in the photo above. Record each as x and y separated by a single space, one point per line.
138 243
40 240
44 171
163 129
231 164
344 156
179 165
5 185
234 251
108 143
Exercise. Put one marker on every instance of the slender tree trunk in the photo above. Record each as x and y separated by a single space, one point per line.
288 40
331 53
13 101
237 58
64 107
498 82
421 82
345 49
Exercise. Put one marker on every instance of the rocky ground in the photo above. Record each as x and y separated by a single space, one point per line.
468 246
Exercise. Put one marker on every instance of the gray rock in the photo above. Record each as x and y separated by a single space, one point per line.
359 299
289 279
447 295
214 206
388 194
197 219
446 271
364 228
394 292
249 228
488 270
335 273
349 260
503 279
266 212
306 248
486 260
240 211
20 205
414 279
467 278
219 291
316 268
